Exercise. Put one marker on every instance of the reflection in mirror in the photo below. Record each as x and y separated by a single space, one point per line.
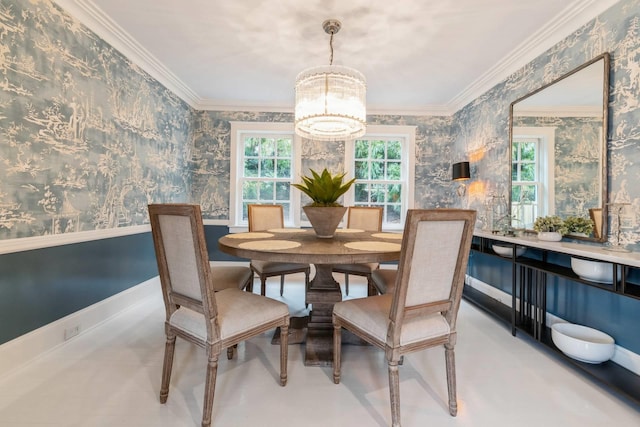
558 149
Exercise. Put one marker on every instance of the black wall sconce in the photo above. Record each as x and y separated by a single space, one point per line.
460 172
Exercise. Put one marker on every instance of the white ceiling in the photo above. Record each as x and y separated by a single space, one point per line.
419 56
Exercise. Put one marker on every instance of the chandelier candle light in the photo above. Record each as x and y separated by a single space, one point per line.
330 100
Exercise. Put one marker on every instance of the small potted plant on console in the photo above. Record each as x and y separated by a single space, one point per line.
550 228
579 226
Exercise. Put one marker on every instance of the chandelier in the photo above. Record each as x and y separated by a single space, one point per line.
330 100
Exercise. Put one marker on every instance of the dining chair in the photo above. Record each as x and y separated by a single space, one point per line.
195 310
367 218
423 308
264 218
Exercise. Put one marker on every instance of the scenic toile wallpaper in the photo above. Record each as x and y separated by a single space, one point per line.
87 138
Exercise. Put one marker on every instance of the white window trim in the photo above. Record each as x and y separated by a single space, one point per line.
547 137
408 133
260 128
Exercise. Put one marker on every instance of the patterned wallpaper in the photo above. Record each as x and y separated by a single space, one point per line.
212 152
87 138
484 123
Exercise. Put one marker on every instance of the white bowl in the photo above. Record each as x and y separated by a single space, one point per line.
594 271
507 251
582 343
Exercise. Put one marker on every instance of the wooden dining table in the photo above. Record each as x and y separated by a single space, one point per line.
303 246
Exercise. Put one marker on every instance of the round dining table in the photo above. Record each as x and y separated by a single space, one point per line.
299 245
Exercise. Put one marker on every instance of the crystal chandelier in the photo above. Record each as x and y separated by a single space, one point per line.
330 100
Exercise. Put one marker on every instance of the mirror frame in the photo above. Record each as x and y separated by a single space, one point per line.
605 133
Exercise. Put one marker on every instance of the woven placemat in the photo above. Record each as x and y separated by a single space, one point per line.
287 230
372 245
269 245
250 235
392 236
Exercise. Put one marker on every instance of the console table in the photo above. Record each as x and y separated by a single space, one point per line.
527 312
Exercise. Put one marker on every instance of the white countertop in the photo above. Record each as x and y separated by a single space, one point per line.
571 248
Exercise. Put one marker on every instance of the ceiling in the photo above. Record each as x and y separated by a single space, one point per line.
419 56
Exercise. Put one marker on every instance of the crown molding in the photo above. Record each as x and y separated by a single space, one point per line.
217 105
211 105
100 23
572 17
566 22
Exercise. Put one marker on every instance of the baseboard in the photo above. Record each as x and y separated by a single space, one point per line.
622 356
23 350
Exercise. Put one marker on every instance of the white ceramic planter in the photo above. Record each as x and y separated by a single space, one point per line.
594 271
549 236
582 343
507 251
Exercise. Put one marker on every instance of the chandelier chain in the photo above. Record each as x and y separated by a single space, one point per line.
331 46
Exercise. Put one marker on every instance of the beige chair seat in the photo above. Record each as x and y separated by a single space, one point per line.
230 277
365 268
238 312
372 316
384 280
276 268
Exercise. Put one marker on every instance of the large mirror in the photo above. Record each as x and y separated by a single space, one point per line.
558 137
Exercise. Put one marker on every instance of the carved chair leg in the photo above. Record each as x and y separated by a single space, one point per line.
394 393
209 389
263 285
307 273
230 351
346 284
371 289
451 378
337 348
169 350
284 353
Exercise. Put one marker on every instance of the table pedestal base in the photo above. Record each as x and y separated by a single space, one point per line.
322 294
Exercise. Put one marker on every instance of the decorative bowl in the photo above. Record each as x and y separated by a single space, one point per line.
507 251
549 236
582 343
594 271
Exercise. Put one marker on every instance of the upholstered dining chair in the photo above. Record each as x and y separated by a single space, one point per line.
195 310
269 217
367 218
423 308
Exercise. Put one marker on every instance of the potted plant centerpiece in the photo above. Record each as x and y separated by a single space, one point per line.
550 228
579 226
324 211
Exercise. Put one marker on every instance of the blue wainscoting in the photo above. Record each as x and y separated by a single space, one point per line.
40 286
213 233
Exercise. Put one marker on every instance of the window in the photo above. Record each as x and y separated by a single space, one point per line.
383 163
263 165
531 180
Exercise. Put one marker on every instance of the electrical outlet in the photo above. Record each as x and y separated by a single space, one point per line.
71 332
